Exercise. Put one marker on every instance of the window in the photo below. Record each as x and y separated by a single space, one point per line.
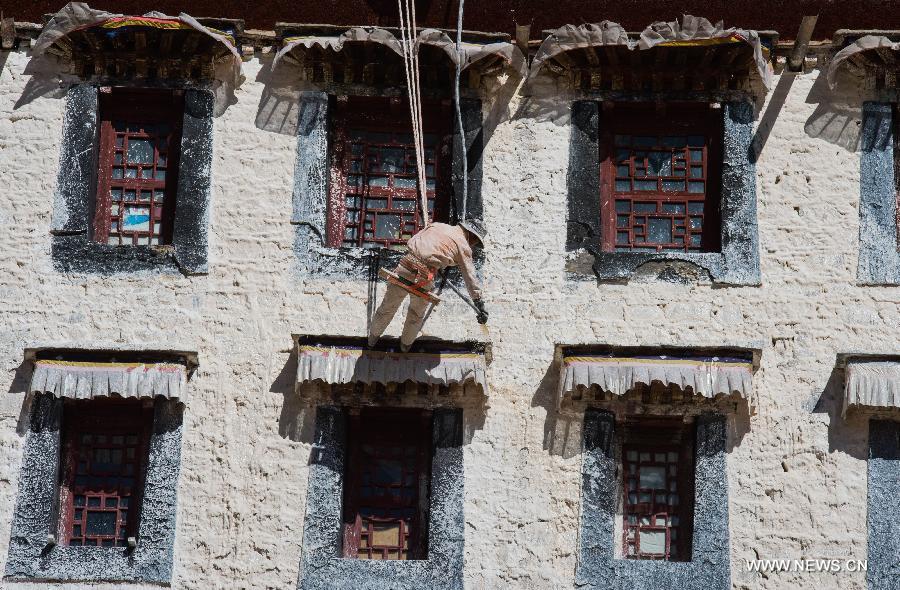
105 449
657 467
140 137
386 484
373 197
660 178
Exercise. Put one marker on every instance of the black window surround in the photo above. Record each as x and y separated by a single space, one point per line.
883 504
322 568
598 565
311 177
879 258
738 261
73 249
32 558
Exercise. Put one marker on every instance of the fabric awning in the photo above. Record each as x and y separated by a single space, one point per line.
874 50
336 364
706 376
77 19
469 55
87 380
872 384
691 31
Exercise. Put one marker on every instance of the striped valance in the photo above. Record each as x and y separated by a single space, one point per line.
87 380
872 384
336 364
707 376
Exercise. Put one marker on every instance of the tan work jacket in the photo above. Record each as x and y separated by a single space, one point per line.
440 245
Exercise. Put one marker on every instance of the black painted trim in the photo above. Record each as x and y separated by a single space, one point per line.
470 109
72 249
36 511
583 179
879 259
883 505
738 261
598 568
310 191
322 568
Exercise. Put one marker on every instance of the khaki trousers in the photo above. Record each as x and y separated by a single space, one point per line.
391 301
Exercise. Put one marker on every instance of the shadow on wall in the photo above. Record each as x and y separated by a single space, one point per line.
562 431
278 109
21 378
838 115
297 421
773 109
44 80
850 435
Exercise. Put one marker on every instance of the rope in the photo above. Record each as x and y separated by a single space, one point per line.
459 121
409 41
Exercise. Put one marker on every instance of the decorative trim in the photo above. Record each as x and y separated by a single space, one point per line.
31 558
321 567
599 568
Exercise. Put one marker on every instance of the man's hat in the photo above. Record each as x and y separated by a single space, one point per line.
474 227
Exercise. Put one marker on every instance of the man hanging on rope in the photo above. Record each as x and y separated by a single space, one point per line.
433 249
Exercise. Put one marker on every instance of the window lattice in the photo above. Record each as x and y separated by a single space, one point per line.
386 491
373 199
103 474
651 502
660 192
381 187
138 165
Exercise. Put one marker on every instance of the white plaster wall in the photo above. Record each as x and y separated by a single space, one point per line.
796 475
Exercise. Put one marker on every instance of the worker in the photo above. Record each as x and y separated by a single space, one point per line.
433 249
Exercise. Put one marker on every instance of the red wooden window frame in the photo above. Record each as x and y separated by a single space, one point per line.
679 131
364 193
386 484
666 446
130 180
105 447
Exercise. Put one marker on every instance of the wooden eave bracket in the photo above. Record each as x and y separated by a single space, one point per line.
801 43
7 33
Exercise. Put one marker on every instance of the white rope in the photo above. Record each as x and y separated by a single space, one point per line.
409 41
459 121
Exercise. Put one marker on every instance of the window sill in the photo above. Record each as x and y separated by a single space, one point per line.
77 253
675 267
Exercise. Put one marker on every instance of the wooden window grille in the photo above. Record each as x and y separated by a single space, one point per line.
140 139
105 450
373 199
658 490
387 481
660 178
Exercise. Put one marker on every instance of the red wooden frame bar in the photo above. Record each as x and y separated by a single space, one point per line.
137 176
373 190
386 484
665 446
104 460
663 170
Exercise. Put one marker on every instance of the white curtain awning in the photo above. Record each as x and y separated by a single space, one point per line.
870 48
355 364
691 31
872 384
470 53
706 376
87 380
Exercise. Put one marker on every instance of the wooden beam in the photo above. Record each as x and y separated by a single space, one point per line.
801 44
7 33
